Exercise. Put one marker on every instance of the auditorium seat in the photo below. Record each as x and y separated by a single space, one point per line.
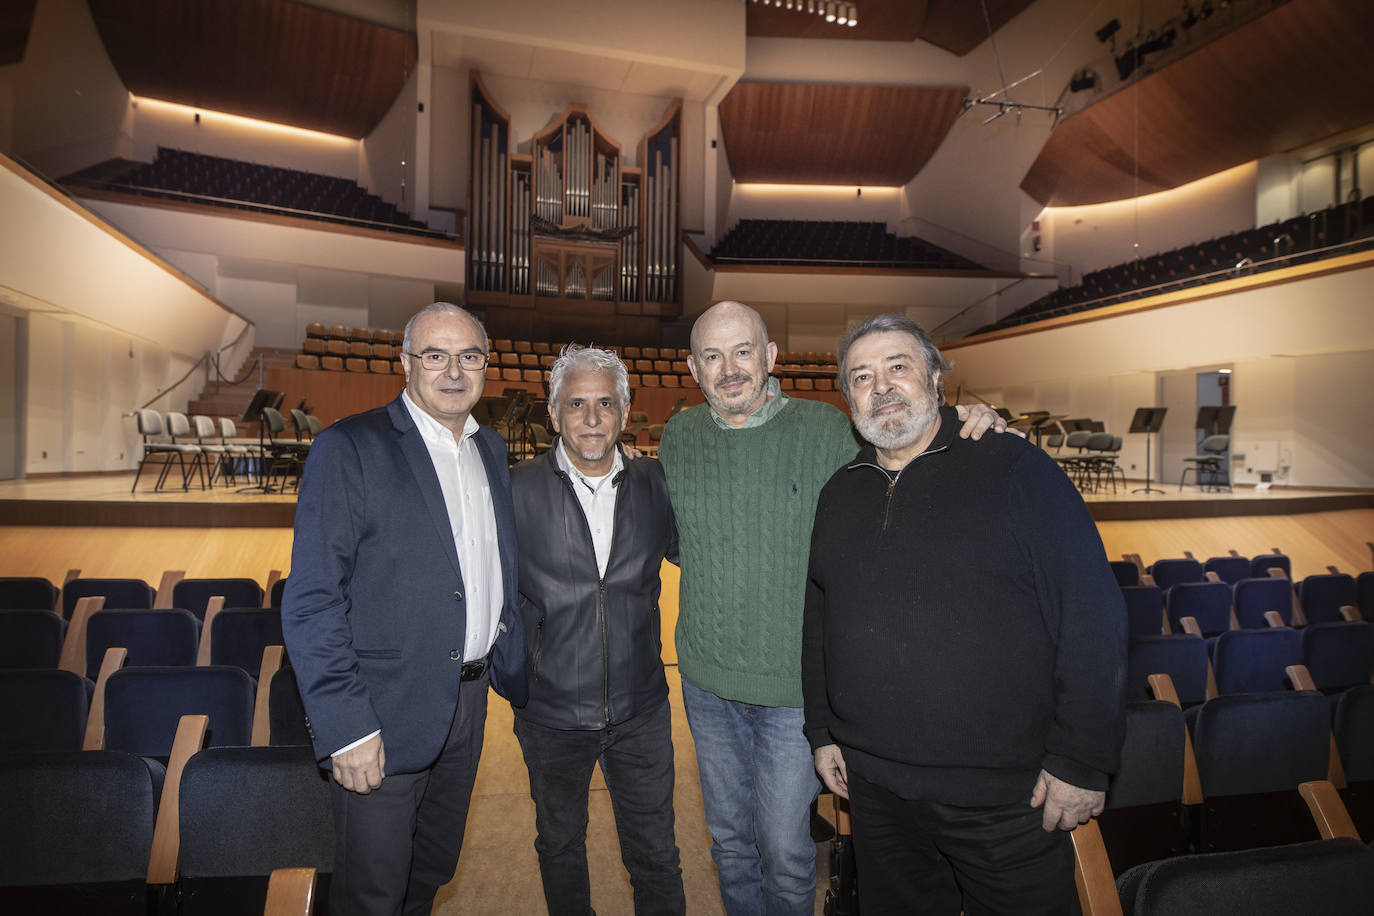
1126 572
42 710
162 637
286 711
1144 609
1182 657
27 592
332 363
362 348
1171 571
30 638
336 347
1255 661
1208 603
1260 564
305 361
1353 730
1253 598
195 594
245 811
1229 569
1253 750
118 593
1324 595
1339 655
317 330
379 366
314 346
356 364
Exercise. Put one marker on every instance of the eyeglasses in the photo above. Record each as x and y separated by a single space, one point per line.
439 361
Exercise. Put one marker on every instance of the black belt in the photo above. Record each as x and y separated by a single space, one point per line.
473 670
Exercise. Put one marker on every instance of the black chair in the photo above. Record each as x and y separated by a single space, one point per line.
238 636
1144 610
195 594
1324 595
1182 657
244 812
1255 597
30 638
1170 572
286 711
1262 563
27 592
1229 569
78 832
43 710
1145 816
1207 467
1253 751
1331 877
1254 661
1209 603
164 637
1364 594
118 593
278 589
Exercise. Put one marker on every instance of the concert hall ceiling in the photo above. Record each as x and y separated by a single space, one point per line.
271 59
1293 77
802 133
957 26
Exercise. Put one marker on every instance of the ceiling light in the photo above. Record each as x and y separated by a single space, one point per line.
843 15
830 11
853 15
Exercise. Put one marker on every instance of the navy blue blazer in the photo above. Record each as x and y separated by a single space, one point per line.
374 609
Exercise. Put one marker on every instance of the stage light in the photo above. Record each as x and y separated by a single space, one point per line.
830 11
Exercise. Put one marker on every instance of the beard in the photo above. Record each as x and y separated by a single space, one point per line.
737 403
898 430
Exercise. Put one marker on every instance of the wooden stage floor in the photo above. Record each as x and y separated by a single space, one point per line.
105 500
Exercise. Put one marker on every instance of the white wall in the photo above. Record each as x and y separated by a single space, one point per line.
386 157
1101 235
9 396
774 201
1302 354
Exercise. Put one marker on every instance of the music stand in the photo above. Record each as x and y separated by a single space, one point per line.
1216 420
1148 420
262 398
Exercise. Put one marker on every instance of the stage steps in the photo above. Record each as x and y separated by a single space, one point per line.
223 400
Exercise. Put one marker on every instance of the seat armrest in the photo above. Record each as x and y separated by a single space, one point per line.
273 577
73 656
1092 872
1328 811
1350 613
170 578
1190 626
290 892
1273 619
1300 677
212 609
114 659
262 716
164 861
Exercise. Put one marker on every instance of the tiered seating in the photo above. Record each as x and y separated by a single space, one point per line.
339 348
1338 230
180 175
824 243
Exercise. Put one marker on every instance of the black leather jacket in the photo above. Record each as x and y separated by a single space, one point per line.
594 645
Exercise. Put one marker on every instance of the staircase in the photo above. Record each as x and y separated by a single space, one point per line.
220 399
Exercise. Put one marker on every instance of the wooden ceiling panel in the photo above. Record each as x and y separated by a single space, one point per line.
1294 76
958 26
807 133
270 59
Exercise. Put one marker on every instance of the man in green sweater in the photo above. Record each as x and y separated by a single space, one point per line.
744 473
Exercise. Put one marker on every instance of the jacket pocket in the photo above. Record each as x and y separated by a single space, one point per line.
377 653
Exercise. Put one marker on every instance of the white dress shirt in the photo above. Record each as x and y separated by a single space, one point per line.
472 520
597 496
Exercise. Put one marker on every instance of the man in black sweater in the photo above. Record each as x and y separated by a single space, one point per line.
963 652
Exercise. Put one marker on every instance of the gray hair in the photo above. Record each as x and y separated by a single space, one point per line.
879 324
594 360
440 308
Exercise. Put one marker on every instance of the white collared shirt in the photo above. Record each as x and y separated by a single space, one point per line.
472 519
597 497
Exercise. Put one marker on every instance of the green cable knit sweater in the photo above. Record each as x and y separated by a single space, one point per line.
745 500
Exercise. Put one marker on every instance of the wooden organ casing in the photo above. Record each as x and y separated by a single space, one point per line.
568 241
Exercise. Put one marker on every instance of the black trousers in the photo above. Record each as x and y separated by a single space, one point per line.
398 844
917 857
637 760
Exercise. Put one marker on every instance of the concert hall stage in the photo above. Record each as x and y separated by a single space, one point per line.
105 500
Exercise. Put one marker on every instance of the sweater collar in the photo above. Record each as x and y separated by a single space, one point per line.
944 438
773 401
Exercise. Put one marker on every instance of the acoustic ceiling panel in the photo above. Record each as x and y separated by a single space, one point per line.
1292 77
958 26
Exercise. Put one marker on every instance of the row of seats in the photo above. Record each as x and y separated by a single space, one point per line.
183 783
208 449
1341 229
831 243
232 183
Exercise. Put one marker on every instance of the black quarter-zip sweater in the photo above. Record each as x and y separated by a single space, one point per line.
963 629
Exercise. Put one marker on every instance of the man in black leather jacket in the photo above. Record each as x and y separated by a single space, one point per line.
593 529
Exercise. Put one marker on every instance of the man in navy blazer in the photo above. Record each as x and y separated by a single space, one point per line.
401 606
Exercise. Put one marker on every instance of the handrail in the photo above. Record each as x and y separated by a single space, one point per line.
211 359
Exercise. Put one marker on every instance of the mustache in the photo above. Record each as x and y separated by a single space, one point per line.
737 377
882 400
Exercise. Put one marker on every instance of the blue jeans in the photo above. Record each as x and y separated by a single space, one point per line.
758 780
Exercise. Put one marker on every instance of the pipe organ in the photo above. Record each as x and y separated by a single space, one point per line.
570 239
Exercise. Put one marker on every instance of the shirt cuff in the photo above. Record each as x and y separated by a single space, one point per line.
363 740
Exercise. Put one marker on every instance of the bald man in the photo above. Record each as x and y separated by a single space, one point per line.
744 473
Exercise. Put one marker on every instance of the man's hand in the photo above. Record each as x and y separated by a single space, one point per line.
830 764
632 453
977 418
1066 806
360 769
